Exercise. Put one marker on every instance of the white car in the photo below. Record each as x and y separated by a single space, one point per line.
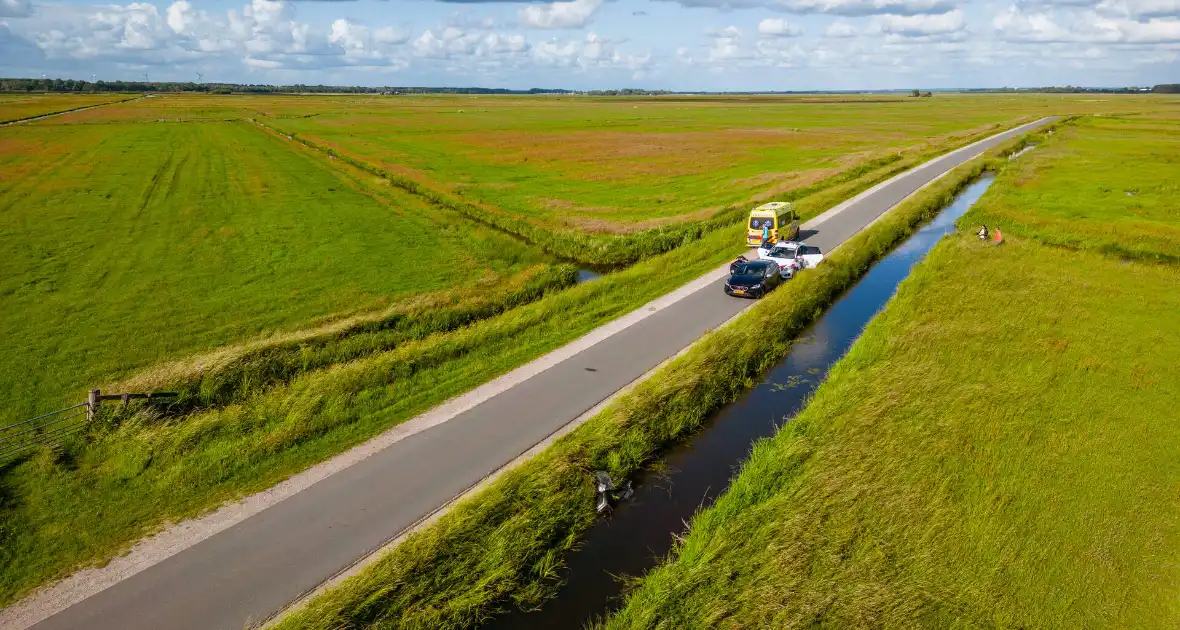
791 256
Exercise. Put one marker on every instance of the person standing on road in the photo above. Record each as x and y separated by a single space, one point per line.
765 233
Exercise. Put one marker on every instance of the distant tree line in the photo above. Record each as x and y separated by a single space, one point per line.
1074 89
73 85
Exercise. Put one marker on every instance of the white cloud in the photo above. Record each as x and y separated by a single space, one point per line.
1015 25
840 30
920 25
354 39
729 32
180 16
593 52
855 8
15 8
390 35
1138 9
572 14
265 64
455 43
778 27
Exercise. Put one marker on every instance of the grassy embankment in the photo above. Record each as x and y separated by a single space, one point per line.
159 470
143 242
1000 447
16 107
505 545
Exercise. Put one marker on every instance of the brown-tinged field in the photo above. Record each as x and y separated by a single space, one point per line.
23 106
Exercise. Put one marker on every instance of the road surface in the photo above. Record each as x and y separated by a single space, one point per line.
257 567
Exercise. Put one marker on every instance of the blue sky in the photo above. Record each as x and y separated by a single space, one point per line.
589 44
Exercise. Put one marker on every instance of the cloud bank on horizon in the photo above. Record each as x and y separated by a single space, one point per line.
592 44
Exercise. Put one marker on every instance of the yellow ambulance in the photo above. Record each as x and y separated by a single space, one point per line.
779 216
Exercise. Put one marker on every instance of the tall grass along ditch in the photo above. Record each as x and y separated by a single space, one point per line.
234 374
504 547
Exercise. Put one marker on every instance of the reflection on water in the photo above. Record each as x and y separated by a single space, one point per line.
640 531
586 275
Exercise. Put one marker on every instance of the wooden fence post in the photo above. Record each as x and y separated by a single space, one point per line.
92 404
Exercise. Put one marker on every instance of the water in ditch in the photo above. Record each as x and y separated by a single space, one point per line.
639 533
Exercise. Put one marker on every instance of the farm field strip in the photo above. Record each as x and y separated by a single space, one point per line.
644 170
977 459
15 108
1077 190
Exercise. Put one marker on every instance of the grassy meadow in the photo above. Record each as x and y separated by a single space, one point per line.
269 408
304 304
998 449
22 106
603 165
1108 184
172 226
141 242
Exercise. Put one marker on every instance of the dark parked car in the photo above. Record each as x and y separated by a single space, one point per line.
753 279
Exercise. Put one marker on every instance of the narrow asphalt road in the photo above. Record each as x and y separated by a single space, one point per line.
257 567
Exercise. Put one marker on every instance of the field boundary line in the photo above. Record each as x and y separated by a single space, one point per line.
174 538
66 111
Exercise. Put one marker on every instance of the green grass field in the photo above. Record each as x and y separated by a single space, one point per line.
142 242
1108 183
22 106
170 242
165 469
998 449
168 226
619 166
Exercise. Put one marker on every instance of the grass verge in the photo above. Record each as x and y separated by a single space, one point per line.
505 544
